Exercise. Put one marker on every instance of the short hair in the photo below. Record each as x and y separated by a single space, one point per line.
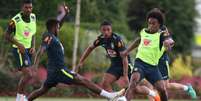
27 2
50 23
105 23
157 14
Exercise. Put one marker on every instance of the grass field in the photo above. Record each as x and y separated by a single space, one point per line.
68 99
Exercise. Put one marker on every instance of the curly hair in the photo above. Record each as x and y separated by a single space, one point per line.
157 14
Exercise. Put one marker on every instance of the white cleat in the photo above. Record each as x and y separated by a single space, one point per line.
118 94
123 98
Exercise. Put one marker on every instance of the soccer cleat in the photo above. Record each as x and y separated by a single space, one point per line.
118 94
157 98
191 92
123 98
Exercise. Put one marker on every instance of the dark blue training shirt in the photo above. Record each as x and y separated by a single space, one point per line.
55 51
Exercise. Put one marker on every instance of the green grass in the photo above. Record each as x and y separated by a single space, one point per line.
68 99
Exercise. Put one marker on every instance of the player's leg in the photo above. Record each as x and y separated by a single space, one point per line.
23 62
112 75
37 93
154 76
51 81
152 94
135 79
108 80
68 77
186 88
160 86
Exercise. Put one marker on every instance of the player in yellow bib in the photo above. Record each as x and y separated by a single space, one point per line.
151 46
20 33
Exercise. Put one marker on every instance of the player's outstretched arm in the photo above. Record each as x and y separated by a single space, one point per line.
38 56
83 57
63 10
133 45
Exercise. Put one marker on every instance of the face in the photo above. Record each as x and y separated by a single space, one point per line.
106 30
27 9
153 25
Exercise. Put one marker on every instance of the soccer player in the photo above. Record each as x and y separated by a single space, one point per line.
120 67
57 72
151 46
164 68
20 32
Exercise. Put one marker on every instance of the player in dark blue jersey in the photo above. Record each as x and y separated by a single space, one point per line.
57 72
113 44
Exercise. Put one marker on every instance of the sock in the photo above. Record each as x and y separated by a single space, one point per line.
185 88
19 96
152 93
107 94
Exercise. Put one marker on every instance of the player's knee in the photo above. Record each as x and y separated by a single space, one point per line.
137 89
161 88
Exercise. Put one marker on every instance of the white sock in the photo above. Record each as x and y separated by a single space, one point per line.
107 94
152 93
19 96
185 88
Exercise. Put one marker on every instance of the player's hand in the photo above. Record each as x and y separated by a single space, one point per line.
168 43
67 9
124 54
21 48
32 50
64 9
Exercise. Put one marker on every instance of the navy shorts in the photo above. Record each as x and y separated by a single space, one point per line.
117 70
22 60
147 71
163 66
60 76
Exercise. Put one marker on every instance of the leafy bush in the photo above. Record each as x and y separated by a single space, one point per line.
180 68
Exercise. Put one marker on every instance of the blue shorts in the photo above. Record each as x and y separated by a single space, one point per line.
163 66
117 70
60 76
22 60
147 71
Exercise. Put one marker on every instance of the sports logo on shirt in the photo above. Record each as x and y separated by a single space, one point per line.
146 42
27 31
111 53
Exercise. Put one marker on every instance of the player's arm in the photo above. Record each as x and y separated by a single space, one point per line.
38 55
63 10
167 39
121 47
133 45
46 41
8 35
86 53
33 41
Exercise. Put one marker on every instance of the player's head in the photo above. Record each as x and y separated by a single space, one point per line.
155 19
52 26
27 7
106 28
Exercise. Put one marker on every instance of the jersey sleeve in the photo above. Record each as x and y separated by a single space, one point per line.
120 44
46 41
11 27
97 42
